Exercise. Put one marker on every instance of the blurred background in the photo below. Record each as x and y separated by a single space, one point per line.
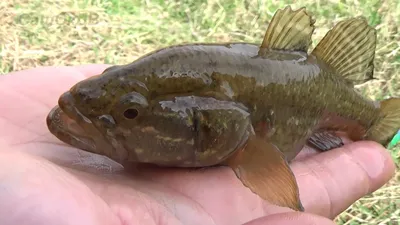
70 32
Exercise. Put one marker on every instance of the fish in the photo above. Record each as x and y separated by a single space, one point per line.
247 106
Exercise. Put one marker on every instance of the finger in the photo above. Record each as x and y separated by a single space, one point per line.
308 151
52 75
91 69
27 97
291 218
331 181
48 195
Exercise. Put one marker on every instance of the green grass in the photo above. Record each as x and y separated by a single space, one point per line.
118 31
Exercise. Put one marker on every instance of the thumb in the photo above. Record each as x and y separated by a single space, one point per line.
291 218
331 181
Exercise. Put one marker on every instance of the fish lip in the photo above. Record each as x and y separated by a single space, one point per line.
68 130
69 125
66 103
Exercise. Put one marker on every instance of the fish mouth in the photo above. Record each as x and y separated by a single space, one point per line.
70 126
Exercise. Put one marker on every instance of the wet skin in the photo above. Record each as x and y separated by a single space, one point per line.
226 93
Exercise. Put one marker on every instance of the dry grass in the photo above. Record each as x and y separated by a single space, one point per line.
38 33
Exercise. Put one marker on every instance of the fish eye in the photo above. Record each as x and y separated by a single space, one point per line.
129 108
131 113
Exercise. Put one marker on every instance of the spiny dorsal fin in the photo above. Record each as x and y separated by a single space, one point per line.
288 30
349 49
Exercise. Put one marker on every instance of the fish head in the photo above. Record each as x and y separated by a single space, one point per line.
127 125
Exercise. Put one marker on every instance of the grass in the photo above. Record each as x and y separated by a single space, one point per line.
111 31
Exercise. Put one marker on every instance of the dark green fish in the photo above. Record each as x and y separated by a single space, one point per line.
241 105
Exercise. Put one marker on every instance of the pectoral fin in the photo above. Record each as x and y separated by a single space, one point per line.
325 140
262 168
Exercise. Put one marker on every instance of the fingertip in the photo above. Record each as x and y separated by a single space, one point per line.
89 70
330 182
374 159
291 218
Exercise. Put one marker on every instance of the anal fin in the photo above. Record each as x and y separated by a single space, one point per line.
325 140
288 30
264 170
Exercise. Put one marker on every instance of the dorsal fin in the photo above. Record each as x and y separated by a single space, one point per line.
349 49
288 30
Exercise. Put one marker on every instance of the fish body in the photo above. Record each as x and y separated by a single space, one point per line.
293 105
242 105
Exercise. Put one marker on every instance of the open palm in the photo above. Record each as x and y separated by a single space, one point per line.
44 181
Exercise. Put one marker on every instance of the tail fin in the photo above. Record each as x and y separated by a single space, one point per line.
389 123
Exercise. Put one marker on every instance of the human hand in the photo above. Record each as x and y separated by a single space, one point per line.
45 181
